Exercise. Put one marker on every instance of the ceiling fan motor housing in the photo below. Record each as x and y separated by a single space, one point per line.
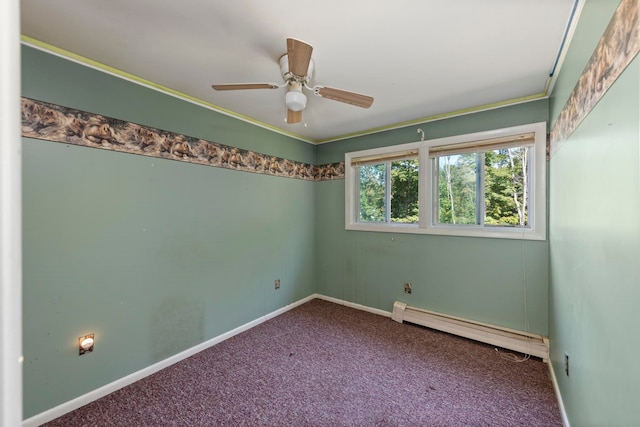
286 75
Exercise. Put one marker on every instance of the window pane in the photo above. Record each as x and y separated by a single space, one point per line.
404 191
372 193
506 187
457 188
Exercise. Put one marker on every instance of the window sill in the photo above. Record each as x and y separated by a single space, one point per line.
471 231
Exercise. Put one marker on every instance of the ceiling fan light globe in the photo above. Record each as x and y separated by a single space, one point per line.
295 101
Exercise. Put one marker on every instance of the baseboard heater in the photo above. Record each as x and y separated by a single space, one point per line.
523 342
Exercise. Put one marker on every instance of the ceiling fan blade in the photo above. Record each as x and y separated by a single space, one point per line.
352 98
299 57
241 86
294 116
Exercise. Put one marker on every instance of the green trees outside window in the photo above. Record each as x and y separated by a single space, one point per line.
488 184
373 205
490 188
483 188
402 192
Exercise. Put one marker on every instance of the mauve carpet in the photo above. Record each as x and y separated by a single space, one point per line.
323 364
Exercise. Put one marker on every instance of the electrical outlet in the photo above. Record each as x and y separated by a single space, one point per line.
407 288
277 283
566 364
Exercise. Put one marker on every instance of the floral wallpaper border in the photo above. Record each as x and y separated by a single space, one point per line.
618 46
55 123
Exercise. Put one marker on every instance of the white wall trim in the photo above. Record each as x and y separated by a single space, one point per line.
556 388
354 305
568 37
96 394
10 218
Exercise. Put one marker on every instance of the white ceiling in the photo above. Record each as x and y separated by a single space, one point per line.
417 58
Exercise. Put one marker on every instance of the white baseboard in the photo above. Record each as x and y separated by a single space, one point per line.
353 305
96 394
556 388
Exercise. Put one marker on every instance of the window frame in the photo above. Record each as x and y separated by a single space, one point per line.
388 163
426 203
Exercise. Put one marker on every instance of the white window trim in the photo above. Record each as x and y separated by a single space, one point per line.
537 215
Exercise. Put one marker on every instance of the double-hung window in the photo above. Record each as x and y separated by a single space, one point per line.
388 188
486 184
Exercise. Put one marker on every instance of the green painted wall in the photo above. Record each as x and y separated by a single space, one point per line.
594 18
59 81
595 245
529 112
153 256
476 278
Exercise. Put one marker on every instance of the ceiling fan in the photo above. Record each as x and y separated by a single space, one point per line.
296 67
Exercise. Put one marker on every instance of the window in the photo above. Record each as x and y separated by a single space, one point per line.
388 188
487 184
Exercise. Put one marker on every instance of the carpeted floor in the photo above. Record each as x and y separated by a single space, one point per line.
323 364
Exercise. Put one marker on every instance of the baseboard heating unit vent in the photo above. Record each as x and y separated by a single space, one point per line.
523 342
